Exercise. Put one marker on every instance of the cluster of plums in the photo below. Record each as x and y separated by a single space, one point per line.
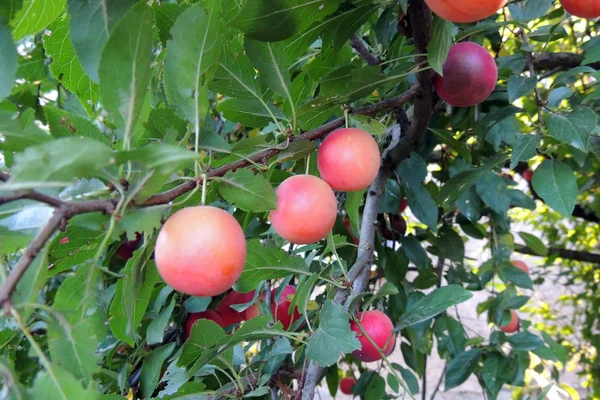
225 315
201 251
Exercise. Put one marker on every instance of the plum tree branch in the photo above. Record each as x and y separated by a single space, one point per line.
361 48
65 210
551 61
400 148
563 253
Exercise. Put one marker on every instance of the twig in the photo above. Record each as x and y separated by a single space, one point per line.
574 255
424 395
361 48
439 384
32 195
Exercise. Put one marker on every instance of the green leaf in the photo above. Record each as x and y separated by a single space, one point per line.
165 15
461 367
460 183
368 124
493 191
195 47
8 61
487 123
450 335
524 148
442 36
156 329
387 289
91 24
58 163
131 298
338 28
534 243
34 16
376 388
545 391
519 86
493 369
447 137
556 184
413 170
235 76
9 8
166 158
415 252
271 21
573 128
595 145
557 95
14 389
57 384
124 68
353 202
433 304
257 328
79 298
520 278
72 248
151 368
525 341
423 206
303 293
196 304
297 150
563 77
559 350
529 10
248 191
520 199
65 124
73 347
11 241
65 66
30 285
267 263
270 61
333 337
248 112
18 137
450 244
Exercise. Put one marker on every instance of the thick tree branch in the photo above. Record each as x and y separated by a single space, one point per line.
398 150
563 253
361 48
66 210
550 61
